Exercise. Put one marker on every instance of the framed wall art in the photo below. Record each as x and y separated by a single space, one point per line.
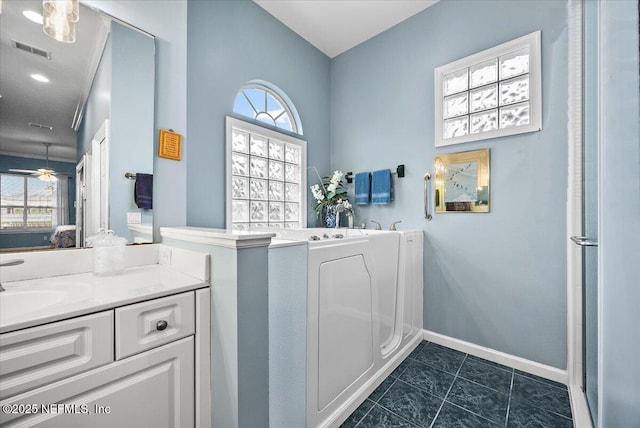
462 182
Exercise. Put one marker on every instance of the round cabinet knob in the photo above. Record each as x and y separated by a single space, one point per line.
161 325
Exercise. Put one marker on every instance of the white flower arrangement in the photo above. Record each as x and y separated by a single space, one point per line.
330 191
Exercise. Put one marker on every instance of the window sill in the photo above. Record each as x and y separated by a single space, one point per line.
16 231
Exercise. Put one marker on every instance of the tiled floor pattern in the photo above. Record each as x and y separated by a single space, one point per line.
439 387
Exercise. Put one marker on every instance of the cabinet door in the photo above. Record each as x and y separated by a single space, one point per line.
152 389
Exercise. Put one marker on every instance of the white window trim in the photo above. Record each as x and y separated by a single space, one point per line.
532 41
231 123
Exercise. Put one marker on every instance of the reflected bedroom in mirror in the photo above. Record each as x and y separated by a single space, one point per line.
77 94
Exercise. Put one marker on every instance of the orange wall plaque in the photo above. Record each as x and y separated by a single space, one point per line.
170 144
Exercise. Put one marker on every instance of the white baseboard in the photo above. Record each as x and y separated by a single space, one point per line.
499 357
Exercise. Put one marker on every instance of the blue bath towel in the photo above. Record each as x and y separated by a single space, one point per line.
143 191
381 191
363 188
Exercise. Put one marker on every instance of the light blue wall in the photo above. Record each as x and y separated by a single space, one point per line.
132 133
98 107
17 240
123 92
287 336
498 279
231 43
620 214
167 21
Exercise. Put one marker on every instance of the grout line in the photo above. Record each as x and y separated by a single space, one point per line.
395 414
552 412
491 364
553 387
544 381
421 389
375 402
486 386
506 419
365 414
385 391
473 413
448 391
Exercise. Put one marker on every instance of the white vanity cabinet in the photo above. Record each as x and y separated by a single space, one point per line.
130 366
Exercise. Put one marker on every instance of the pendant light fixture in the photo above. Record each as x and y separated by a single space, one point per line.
60 18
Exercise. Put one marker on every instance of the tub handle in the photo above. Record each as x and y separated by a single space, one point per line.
427 215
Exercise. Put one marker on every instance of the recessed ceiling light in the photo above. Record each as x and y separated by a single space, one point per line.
39 78
33 16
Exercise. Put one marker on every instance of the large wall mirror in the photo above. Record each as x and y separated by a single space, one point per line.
76 129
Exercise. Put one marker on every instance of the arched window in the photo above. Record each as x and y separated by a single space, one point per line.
266 166
267 104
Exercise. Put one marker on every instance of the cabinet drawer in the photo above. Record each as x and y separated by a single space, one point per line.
149 324
36 356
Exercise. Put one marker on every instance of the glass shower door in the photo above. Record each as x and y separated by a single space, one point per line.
589 238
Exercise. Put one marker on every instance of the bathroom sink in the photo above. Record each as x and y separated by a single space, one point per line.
35 298
18 302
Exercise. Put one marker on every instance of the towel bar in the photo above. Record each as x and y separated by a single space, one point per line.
399 172
129 176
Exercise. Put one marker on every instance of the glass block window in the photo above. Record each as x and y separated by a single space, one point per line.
265 105
493 93
27 203
266 178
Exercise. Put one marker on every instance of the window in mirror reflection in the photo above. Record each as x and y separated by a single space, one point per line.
29 204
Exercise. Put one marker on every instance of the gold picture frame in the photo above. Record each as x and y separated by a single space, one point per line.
462 182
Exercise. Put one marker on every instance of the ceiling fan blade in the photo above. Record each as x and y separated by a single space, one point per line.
46 171
24 171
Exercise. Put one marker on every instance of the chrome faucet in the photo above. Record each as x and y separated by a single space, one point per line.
378 225
339 209
10 263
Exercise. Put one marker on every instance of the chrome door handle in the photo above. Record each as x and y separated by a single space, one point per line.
583 241
427 215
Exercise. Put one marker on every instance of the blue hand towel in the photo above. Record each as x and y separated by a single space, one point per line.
363 188
143 191
381 190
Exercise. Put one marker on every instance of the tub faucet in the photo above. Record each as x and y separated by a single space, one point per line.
378 225
10 263
339 208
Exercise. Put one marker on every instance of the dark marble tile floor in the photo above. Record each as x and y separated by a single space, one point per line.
440 387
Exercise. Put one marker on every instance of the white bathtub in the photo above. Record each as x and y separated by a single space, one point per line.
364 314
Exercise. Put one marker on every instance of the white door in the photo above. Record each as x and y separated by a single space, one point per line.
95 179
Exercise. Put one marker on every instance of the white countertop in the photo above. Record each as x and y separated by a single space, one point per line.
32 302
